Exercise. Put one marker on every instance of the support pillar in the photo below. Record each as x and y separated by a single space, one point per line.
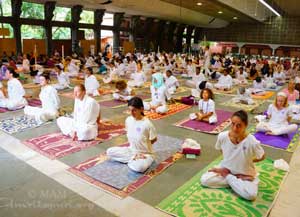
116 38
147 33
179 37
49 9
16 12
98 18
135 24
75 17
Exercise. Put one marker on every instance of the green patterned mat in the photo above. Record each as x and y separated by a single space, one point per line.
192 199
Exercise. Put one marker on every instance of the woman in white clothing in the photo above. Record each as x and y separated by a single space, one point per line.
279 116
25 64
240 151
62 78
50 102
159 95
86 116
91 83
141 135
15 91
207 59
240 77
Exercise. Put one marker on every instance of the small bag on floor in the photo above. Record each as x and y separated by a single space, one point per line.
190 146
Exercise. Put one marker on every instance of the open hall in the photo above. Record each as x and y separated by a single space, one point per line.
136 108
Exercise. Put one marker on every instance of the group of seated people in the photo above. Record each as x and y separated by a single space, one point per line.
239 149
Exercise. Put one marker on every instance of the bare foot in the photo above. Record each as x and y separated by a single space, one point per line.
269 133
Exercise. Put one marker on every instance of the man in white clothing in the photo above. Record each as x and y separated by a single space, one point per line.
86 116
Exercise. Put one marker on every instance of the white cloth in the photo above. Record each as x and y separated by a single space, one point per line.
140 133
196 80
224 82
91 85
138 79
63 81
50 105
84 121
72 69
278 123
16 95
244 98
172 84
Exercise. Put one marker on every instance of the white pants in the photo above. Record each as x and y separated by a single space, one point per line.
276 130
12 104
222 86
212 119
40 115
246 189
118 96
126 155
160 110
172 90
60 86
133 83
83 131
237 81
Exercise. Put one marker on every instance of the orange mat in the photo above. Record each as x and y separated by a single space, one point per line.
267 95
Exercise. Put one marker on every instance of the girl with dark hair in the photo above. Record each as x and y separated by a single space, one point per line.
50 102
15 92
171 82
240 151
207 112
138 78
141 134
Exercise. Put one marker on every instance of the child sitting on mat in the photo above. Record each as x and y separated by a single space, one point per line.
240 151
91 83
206 105
279 117
138 78
123 92
241 77
141 135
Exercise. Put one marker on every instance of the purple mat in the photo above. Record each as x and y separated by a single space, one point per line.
223 122
32 102
115 103
281 142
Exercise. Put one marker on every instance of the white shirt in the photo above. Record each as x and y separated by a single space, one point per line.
138 77
26 64
258 85
238 158
279 75
49 98
139 134
207 106
86 111
225 80
160 95
198 78
171 82
278 117
91 84
15 90
72 68
63 79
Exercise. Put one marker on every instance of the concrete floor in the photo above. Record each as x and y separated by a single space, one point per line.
31 179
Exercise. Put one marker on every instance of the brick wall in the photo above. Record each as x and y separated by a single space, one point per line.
274 31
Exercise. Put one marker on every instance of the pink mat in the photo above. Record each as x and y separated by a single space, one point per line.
223 122
31 102
57 145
